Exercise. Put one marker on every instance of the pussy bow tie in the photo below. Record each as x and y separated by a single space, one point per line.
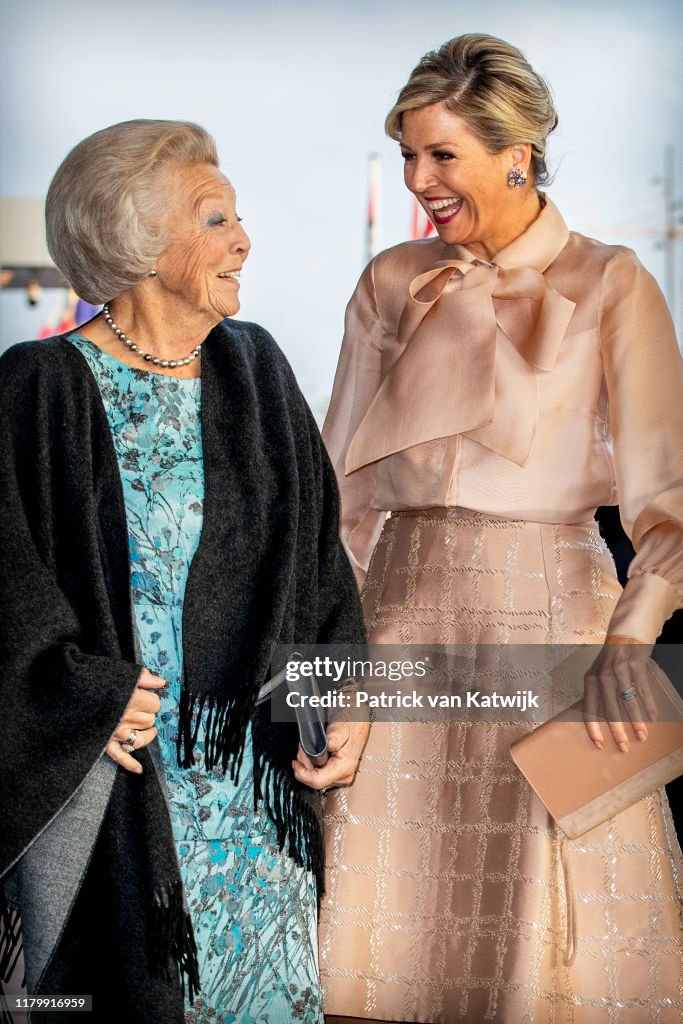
472 339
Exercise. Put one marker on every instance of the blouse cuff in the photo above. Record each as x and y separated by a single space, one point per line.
643 608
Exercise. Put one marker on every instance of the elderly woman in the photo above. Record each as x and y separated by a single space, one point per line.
169 516
495 385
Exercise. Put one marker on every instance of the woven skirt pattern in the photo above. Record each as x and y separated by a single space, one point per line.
445 892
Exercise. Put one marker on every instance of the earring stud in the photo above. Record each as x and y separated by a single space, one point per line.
152 273
517 178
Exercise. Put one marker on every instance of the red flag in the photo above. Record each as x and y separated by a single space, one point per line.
422 226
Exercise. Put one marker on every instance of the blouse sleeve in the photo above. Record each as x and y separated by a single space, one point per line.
355 384
644 378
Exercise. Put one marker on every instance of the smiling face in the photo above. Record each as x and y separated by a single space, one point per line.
198 270
461 185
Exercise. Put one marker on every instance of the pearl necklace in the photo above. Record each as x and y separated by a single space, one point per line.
147 356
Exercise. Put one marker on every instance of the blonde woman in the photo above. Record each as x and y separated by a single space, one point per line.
495 385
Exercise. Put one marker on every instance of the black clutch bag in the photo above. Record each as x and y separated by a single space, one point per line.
312 734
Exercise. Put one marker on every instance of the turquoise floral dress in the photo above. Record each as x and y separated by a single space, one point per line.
253 908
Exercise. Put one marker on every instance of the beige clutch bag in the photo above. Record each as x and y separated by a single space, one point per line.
582 786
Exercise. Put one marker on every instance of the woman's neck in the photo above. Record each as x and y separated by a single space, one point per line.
520 220
166 331
165 328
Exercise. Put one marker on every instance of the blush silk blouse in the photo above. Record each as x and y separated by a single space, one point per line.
537 387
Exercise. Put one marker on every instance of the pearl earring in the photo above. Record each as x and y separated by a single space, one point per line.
152 273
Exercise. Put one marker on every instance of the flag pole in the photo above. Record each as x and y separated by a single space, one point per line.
372 236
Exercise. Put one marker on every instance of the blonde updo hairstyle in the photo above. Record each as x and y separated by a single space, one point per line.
105 208
492 86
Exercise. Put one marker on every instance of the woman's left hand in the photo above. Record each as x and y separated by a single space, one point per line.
345 742
621 666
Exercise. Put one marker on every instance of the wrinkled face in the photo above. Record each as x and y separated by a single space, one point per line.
459 183
199 268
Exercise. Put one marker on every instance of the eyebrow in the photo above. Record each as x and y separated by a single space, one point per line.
433 145
213 196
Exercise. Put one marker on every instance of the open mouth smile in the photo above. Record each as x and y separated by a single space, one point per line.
444 210
230 275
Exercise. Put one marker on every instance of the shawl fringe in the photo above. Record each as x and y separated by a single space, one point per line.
171 939
10 938
225 724
297 824
10 950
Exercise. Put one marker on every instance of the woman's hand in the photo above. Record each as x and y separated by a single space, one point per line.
139 718
621 666
345 742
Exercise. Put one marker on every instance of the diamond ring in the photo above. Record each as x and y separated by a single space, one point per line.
129 744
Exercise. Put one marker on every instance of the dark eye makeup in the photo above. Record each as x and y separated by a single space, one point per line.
219 218
439 154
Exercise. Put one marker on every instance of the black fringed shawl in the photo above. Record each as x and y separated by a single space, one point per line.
269 569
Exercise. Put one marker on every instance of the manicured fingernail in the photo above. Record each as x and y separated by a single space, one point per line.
623 747
599 744
641 735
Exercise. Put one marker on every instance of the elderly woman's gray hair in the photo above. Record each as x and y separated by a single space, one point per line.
492 86
105 207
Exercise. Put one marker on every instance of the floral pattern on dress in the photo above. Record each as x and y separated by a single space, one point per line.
253 909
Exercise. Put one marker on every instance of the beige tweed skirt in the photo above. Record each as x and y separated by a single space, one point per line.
445 892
